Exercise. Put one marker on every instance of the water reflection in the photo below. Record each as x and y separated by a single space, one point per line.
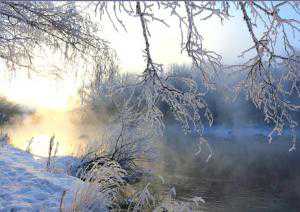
244 174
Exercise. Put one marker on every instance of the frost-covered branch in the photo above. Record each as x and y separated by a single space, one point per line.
267 87
28 25
272 76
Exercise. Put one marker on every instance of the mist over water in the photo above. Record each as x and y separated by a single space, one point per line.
71 131
243 173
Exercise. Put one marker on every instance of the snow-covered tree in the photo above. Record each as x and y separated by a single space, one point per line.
272 49
29 25
26 25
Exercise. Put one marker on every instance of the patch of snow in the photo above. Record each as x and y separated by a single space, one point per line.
26 185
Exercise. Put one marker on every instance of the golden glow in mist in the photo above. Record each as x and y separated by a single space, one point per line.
39 128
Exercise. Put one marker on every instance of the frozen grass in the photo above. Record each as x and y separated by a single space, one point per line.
87 197
26 184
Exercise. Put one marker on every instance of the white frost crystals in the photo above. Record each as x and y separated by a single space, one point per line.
273 48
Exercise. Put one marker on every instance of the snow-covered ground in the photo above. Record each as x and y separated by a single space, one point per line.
25 185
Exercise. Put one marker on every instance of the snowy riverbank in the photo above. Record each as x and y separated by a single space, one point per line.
26 185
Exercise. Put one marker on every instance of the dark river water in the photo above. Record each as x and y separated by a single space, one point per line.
245 172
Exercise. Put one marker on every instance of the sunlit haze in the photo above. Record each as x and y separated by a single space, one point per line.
149 106
43 91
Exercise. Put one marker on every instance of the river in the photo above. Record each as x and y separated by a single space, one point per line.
245 172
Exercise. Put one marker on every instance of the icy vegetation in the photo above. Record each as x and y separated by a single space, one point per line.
119 169
28 183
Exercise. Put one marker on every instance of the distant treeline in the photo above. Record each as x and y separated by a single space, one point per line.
8 110
226 110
